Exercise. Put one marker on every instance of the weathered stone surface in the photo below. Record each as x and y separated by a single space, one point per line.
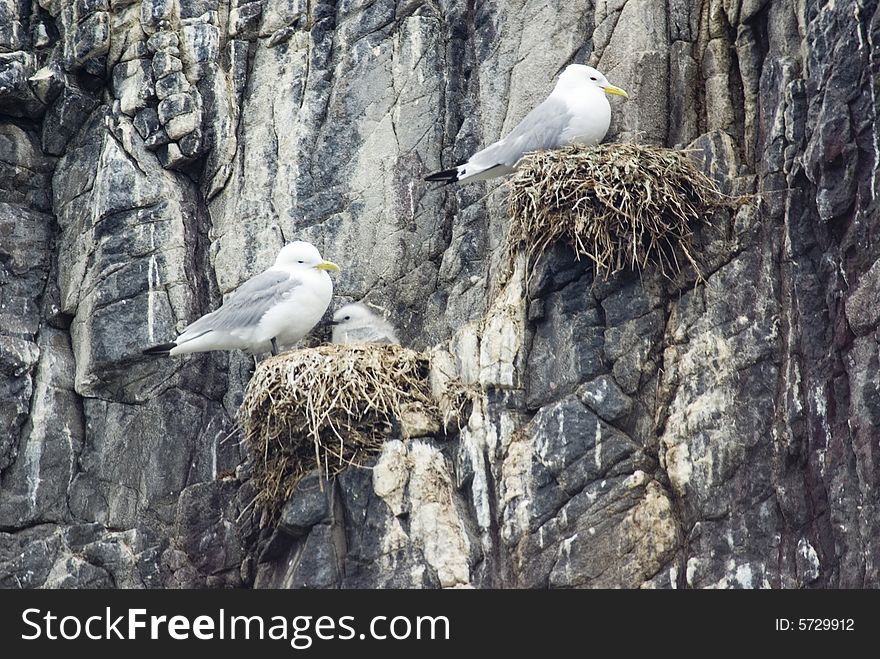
165 64
605 398
158 14
200 43
244 20
13 30
174 106
170 155
183 124
25 176
162 41
174 83
133 85
307 506
86 37
137 50
190 144
862 309
65 117
205 530
567 348
146 122
633 432
35 487
26 235
48 82
78 556
16 97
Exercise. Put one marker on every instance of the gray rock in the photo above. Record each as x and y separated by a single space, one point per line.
862 310
48 82
605 398
205 528
573 447
807 562
165 64
13 34
630 347
190 144
174 83
567 348
744 407
77 556
36 486
88 40
245 20
174 106
25 239
147 122
157 140
201 42
157 14
16 97
591 503
133 85
307 506
315 563
137 50
65 117
184 124
170 155
161 41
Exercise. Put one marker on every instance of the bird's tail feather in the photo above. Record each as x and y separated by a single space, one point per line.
161 350
446 176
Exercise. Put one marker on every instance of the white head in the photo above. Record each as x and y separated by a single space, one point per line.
302 255
353 315
578 76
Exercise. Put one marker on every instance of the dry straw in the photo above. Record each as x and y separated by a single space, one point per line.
327 408
621 205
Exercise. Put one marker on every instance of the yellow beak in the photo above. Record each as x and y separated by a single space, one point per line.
327 265
617 91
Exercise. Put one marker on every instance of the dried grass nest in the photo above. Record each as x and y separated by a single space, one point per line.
621 205
331 407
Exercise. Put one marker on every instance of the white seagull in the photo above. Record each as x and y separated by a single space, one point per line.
278 306
355 323
576 112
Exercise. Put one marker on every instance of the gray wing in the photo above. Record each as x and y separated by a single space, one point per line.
542 128
246 306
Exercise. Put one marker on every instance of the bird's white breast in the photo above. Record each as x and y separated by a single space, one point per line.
303 307
590 117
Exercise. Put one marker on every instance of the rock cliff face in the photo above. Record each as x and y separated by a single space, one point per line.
632 432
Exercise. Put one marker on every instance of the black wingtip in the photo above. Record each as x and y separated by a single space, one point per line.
161 350
446 176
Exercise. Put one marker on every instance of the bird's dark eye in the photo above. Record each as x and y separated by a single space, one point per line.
347 318
300 261
594 78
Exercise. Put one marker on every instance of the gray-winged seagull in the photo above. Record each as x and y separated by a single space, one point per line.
355 323
576 112
278 306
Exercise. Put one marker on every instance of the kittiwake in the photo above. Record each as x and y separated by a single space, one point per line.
576 112
278 306
355 323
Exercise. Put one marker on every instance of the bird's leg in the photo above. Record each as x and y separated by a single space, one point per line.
274 347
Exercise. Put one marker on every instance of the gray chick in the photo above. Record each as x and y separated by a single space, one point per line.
355 323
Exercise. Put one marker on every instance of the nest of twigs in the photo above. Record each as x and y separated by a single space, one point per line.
620 205
331 407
